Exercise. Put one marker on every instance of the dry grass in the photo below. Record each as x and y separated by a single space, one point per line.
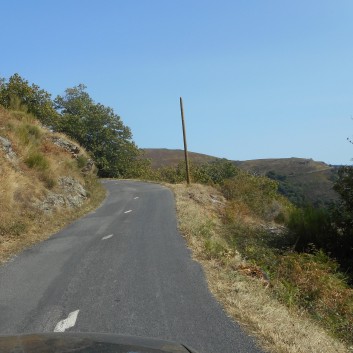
26 182
245 298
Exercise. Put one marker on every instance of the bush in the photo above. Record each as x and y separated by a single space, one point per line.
37 160
214 172
16 228
81 161
344 187
312 282
311 226
28 134
172 175
327 229
257 193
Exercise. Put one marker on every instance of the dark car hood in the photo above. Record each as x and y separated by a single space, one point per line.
86 343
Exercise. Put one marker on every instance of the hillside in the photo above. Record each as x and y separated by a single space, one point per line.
282 297
301 180
161 157
46 181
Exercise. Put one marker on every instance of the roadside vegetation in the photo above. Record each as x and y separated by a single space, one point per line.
94 126
260 250
43 186
52 152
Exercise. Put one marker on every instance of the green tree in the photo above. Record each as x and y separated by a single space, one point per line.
100 131
18 94
343 214
344 186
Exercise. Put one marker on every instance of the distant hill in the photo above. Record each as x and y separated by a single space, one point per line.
161 157
302 180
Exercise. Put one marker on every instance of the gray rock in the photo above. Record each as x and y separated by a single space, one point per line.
51 202
75 152
7 148
89 167
72 186
72 195
66 145
5 142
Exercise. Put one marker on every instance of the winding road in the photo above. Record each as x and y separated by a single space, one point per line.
124 269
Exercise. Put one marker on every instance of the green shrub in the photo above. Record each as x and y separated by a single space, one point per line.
33 131
28 134
15 104
213 248
16 228
172 175
206 229
311 226
258 193
81 161
312 282
37 160
214 172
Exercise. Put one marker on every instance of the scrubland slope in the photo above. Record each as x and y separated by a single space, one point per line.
46 181
292 302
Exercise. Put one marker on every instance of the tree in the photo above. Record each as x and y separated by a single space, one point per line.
18 94
99 130
342 211
344 186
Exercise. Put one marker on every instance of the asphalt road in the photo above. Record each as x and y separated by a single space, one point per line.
122 269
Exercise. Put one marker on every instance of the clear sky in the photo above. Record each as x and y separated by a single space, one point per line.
259 78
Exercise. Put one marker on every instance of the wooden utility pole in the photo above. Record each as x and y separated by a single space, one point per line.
185 144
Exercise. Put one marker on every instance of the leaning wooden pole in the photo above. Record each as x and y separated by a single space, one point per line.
185 144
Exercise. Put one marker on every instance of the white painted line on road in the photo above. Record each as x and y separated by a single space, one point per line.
65 324
107 236
135 198
128 211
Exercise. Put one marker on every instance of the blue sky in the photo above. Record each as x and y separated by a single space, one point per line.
259 78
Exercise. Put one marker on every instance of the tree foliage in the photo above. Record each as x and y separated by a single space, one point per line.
18 94
214 172
344 186
99 130
329 229
96 127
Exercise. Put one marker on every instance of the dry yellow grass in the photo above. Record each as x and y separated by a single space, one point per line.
244 298
23 187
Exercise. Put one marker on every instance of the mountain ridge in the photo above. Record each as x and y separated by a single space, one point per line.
303 180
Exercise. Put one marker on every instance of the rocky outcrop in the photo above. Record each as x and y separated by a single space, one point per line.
89 167
72 195
66 145
10 154
6 146
75 152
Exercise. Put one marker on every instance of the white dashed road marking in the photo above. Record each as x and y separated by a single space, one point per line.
107 236
65 324
128 211
136 197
